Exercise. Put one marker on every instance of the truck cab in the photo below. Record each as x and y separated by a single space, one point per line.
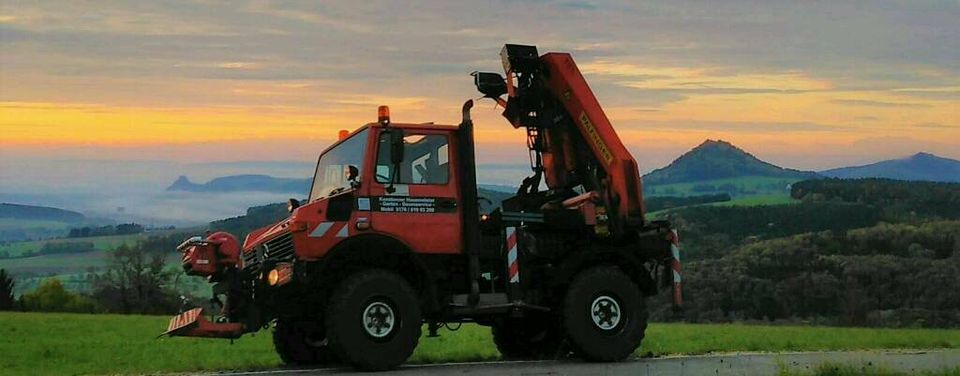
359 190
386 190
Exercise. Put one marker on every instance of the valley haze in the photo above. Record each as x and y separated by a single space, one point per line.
185 194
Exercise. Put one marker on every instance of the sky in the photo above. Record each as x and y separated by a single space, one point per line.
803 84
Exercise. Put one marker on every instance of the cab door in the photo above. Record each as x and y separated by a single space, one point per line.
417 201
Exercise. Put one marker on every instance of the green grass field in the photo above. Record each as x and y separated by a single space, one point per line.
55 344
11 228
778 199
746 186
11 223
100 243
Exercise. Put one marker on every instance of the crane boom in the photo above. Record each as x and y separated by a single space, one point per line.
566 82
571 140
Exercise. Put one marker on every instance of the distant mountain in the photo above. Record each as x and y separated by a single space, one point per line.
719 160
30 212
920 166
240 183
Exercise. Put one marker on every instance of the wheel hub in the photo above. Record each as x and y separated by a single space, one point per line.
378 319
605 312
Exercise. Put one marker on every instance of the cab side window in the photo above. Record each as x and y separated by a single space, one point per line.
425 160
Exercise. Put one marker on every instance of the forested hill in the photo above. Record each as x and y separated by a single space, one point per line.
719 160
920 167
30 212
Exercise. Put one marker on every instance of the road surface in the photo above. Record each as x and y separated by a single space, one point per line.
907 361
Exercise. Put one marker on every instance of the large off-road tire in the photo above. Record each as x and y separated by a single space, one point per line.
604 314
373 320
300 344
529 338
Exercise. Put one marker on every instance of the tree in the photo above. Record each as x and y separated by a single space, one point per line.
6 291
135 282
129 228
51 296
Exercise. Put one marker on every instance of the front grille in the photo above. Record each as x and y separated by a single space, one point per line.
279 249
251 260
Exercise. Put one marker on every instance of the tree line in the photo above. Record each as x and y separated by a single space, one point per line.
712 231
885 275
900 200
121 229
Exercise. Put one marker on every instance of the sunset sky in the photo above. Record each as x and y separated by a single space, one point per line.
809 85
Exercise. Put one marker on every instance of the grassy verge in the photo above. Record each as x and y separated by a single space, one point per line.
34 343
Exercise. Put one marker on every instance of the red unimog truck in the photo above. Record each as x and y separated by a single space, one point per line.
391 239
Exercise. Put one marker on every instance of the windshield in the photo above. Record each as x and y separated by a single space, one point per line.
333 166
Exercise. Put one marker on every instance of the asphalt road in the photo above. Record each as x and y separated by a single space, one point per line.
728 364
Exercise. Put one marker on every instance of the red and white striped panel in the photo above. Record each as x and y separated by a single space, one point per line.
513 266
184 319
675 265
327 228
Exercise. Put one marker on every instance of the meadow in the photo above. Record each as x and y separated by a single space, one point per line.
737 187
100 243
57 344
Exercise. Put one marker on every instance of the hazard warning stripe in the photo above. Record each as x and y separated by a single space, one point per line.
324 228
183 319
675 266
513 266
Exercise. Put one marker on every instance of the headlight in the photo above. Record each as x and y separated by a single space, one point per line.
280 274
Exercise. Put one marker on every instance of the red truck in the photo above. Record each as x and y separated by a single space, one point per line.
391 239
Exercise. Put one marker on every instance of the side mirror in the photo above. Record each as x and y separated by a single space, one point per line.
396 146
292 204
491 85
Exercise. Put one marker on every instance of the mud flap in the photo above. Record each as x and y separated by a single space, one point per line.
193 323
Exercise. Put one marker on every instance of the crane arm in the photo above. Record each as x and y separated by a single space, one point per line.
570 137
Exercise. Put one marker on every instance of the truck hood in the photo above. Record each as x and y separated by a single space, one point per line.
260 235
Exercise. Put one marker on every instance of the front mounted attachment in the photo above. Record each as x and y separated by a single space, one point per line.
193 323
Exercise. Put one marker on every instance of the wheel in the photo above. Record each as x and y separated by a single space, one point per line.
300 344
529 338
604 314
373 320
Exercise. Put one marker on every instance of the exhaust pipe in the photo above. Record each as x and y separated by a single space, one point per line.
471 211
